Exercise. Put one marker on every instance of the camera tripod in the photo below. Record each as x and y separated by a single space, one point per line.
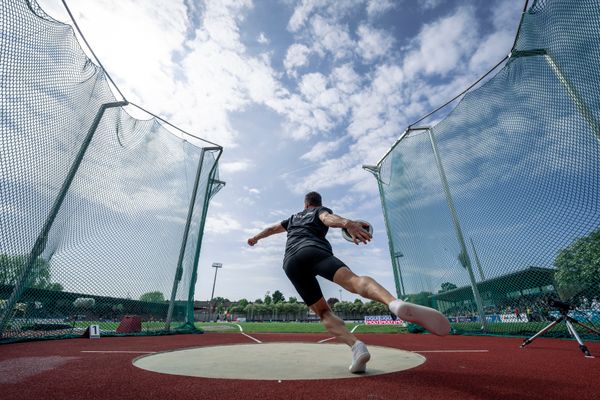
569 321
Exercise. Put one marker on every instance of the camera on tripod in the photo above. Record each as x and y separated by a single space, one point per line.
562 306
571 322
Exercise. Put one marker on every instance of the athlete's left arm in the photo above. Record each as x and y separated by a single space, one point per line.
271 230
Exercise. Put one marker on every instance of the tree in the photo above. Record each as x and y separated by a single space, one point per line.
54 286
578 266
84 302
375 308
153 297
331 301
278 297
357 307
343 307
219 301
268 298
281 309
447 286
292 300
300 309
242 303
11 268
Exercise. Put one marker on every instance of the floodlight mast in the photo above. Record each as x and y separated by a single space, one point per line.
216 266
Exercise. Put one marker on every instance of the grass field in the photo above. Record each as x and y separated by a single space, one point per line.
524 329
299 327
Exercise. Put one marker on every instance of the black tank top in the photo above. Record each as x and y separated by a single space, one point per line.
306 229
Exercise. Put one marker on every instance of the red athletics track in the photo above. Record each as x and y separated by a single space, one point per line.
69 369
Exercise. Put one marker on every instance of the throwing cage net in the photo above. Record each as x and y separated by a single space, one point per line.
495 210
101 214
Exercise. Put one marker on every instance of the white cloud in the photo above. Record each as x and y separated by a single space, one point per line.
505 16
373 43
296 56
442 45
321 150
262 39
235 166
331 38
378 7
491 50
301 14
222 224
505 19
346 79
312 84
430 4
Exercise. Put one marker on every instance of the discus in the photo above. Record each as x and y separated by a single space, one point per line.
365 225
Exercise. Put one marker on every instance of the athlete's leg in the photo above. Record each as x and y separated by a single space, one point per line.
364 286
335 326
332 322
302 268
432 320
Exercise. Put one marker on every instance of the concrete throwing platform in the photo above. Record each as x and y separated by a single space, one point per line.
276 361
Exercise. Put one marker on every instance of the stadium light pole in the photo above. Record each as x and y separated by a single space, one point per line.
216 266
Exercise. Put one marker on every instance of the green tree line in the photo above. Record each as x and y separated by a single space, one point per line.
11 268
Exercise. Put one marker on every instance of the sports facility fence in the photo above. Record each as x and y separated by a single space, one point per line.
101 214
495 209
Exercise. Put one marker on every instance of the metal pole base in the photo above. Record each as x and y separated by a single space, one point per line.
570 328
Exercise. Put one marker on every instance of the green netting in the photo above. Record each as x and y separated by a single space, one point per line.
101 214
518 222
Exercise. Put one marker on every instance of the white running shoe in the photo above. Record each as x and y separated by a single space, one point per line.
430 319
360 357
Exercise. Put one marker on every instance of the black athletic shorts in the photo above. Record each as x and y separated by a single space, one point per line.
303 267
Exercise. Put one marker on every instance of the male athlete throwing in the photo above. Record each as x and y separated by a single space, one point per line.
308 254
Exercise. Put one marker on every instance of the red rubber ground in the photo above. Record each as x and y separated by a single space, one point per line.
546 369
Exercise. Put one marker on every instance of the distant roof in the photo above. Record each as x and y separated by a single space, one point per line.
531 277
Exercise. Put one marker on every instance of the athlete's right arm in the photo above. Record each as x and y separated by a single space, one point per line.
354 227
271 230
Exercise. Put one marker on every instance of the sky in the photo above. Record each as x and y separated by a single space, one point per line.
300 94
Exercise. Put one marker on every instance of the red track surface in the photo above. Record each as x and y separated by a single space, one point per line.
546 369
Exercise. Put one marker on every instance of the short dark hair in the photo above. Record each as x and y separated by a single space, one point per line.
313 199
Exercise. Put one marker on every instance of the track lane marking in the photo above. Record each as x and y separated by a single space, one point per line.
450 351
326 340
118 351
248 336
331 338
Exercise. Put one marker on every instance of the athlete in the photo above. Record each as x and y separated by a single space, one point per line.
308 254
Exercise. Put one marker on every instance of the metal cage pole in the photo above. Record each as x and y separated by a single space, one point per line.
189 319
572 92
574 95
399 289
481 274
42 239
179 269
464 256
